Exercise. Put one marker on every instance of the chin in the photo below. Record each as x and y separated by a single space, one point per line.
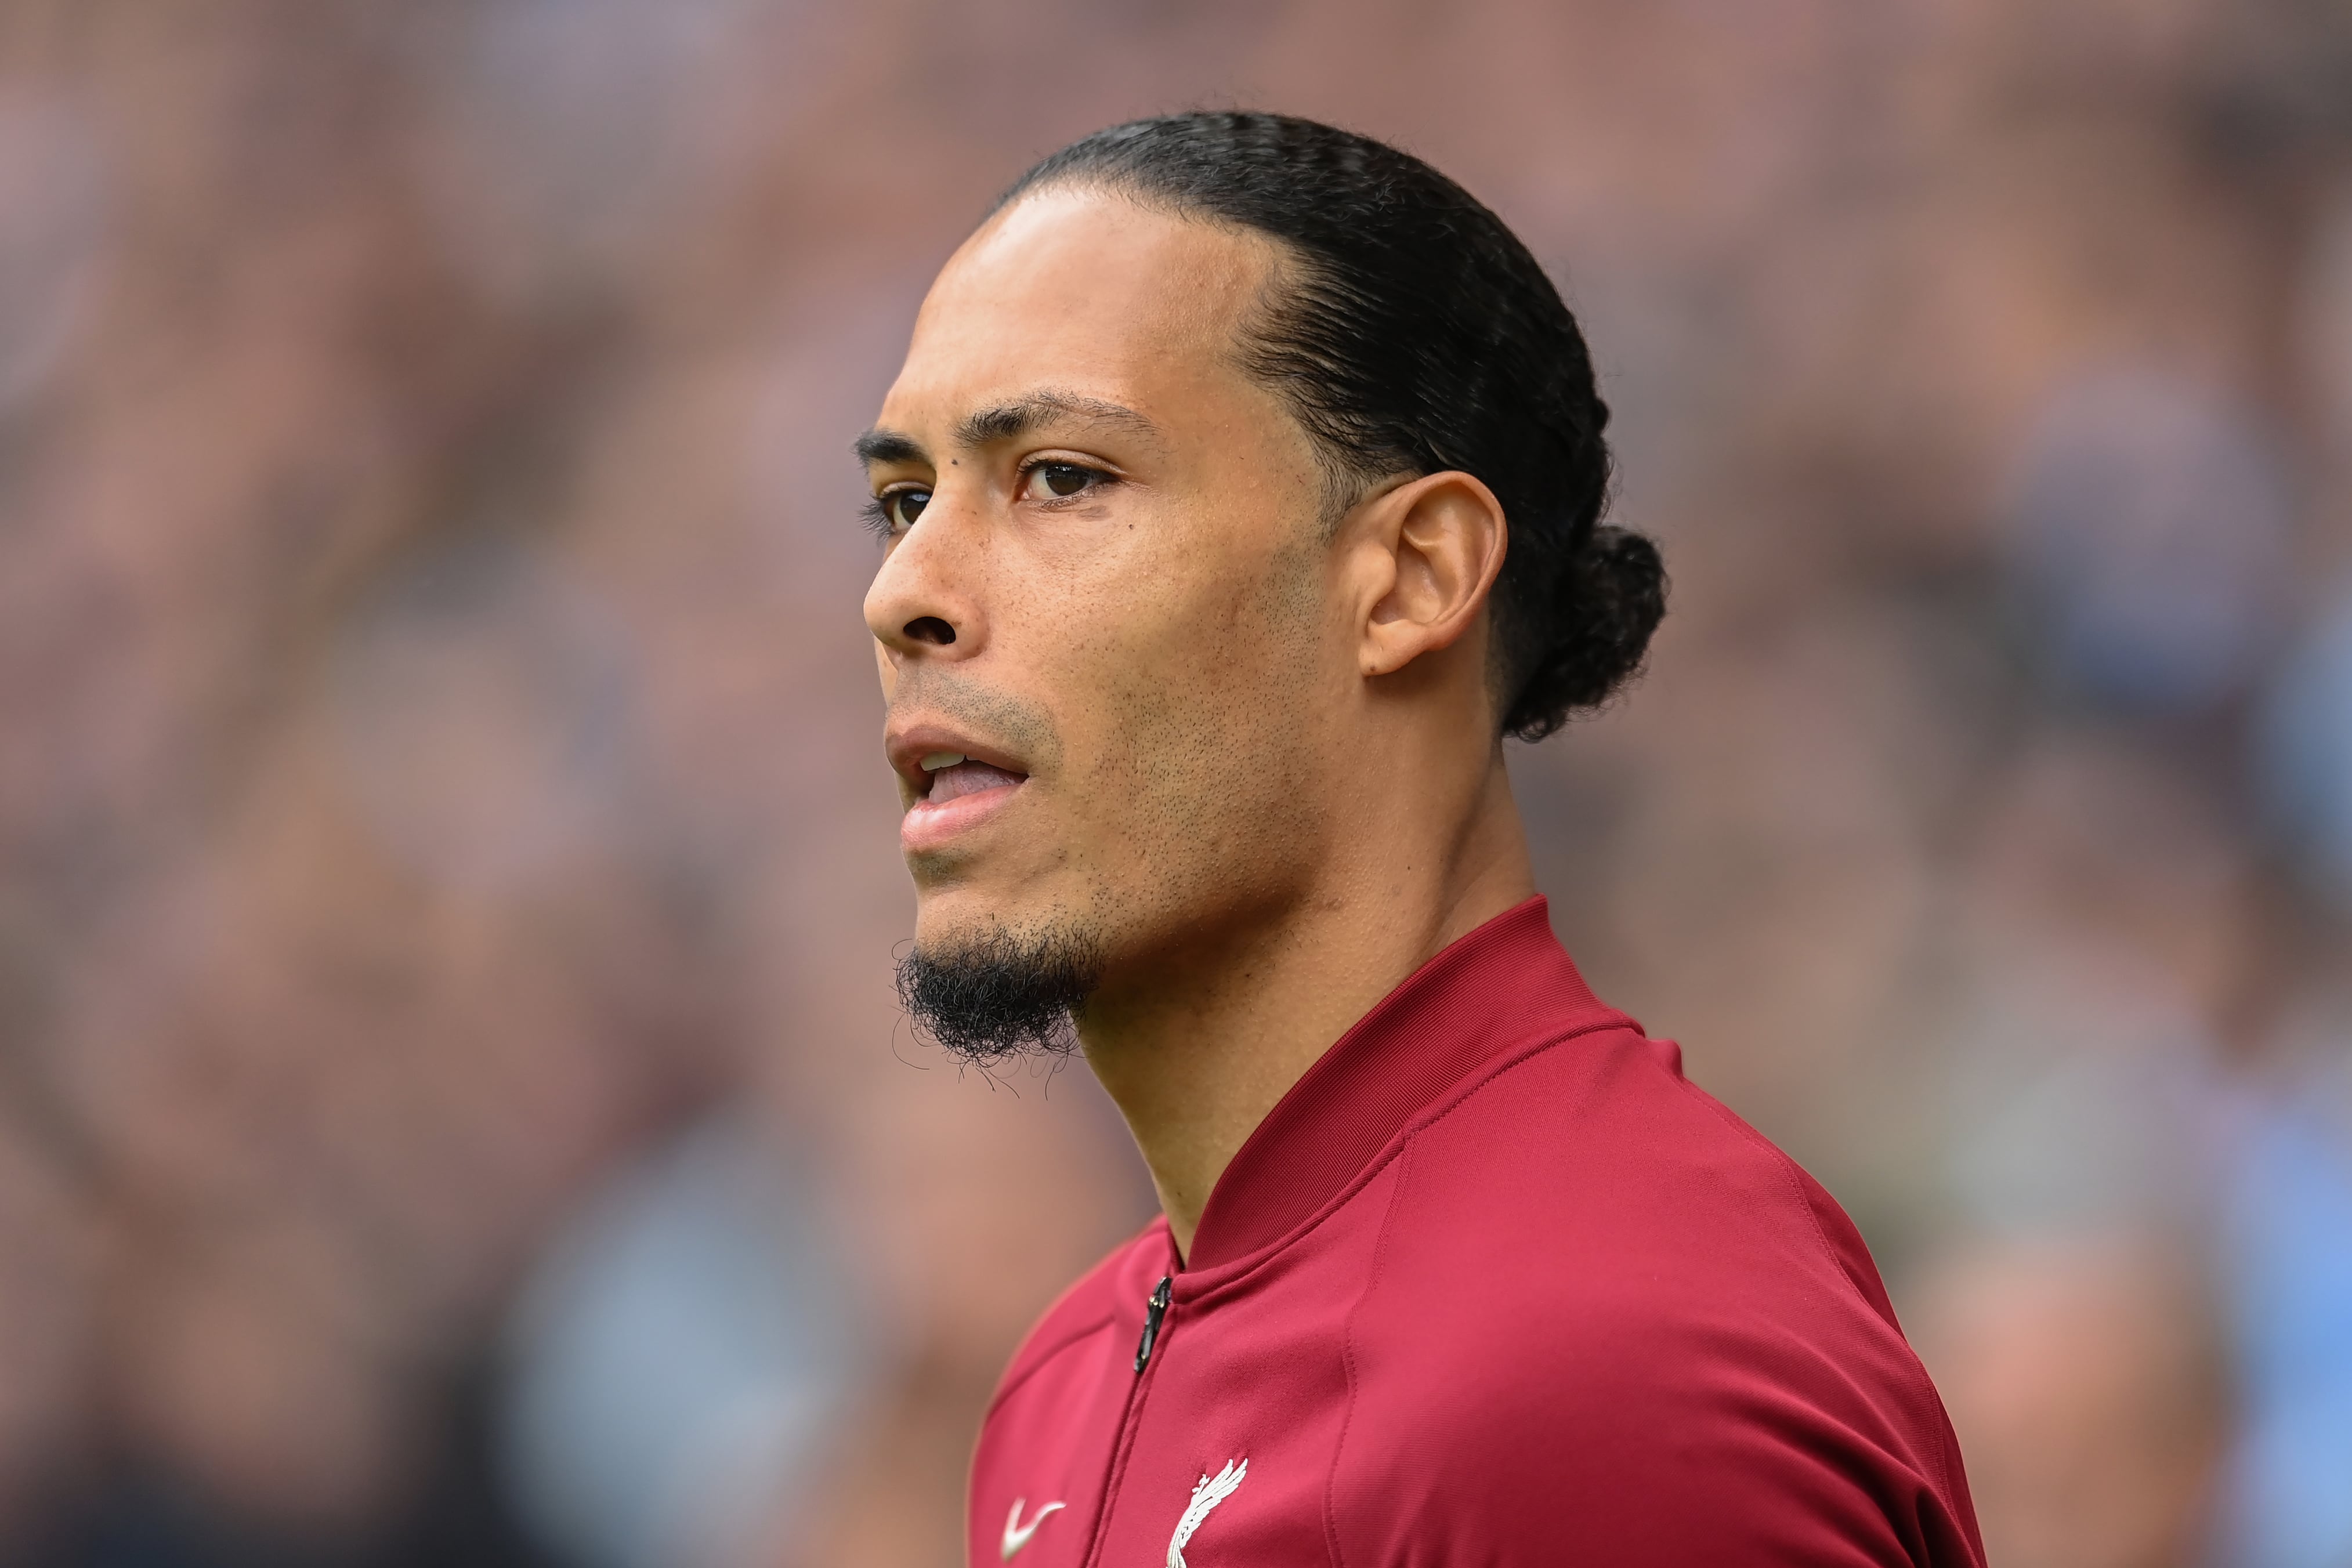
945 919
961 912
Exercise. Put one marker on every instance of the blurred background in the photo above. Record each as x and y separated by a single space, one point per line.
452 1107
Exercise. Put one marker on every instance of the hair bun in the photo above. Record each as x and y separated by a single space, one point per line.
1614 592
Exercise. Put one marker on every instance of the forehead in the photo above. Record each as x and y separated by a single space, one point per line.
1084 290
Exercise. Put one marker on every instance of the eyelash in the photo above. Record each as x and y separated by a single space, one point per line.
876 512
876 515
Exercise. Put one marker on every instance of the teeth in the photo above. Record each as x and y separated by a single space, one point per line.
939 759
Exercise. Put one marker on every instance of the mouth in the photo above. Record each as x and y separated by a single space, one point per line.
954 791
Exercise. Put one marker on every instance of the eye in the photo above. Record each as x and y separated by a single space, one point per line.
1060 481
897 509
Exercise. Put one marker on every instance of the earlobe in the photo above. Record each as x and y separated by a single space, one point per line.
1443 538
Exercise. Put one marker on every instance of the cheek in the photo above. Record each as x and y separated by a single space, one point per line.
1204 761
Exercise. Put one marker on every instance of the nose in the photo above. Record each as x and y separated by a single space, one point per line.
922 603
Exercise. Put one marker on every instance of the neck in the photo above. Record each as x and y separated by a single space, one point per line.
1196 1058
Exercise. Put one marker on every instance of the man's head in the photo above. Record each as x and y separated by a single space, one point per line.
1244 475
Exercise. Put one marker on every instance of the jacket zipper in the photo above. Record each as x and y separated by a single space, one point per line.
1153 1311
1155 1315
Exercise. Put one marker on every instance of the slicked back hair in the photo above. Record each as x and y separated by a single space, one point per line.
1411 333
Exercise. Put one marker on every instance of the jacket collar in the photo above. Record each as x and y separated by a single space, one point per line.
1506 984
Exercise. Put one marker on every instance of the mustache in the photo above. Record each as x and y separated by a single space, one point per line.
994 716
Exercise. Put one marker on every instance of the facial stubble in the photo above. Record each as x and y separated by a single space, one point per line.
1004 991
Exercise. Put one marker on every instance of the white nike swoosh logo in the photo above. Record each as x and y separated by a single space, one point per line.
1017 1535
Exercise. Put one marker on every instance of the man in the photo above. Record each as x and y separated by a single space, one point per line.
1240 491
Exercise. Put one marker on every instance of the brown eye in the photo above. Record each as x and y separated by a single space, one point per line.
904 506
1059 481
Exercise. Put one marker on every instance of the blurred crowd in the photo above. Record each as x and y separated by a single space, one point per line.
452 1106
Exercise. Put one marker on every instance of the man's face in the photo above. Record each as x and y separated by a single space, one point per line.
1105 625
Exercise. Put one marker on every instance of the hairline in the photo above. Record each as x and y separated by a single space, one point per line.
1345 482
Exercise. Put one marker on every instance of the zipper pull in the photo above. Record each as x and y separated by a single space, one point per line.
1154 1310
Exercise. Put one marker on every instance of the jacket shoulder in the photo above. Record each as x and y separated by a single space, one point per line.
1667 1310
1644 1186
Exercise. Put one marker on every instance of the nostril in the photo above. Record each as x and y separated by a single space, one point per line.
930 629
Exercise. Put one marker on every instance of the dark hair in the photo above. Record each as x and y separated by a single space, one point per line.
1413 332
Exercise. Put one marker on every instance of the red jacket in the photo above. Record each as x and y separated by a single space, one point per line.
1493 1284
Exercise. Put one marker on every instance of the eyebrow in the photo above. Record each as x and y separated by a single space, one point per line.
879 445
1010 421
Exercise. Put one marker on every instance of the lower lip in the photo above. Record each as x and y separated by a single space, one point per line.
927 827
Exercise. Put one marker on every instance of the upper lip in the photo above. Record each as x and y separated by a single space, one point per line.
908 745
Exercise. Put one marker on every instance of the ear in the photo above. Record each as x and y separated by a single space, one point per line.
1425 555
